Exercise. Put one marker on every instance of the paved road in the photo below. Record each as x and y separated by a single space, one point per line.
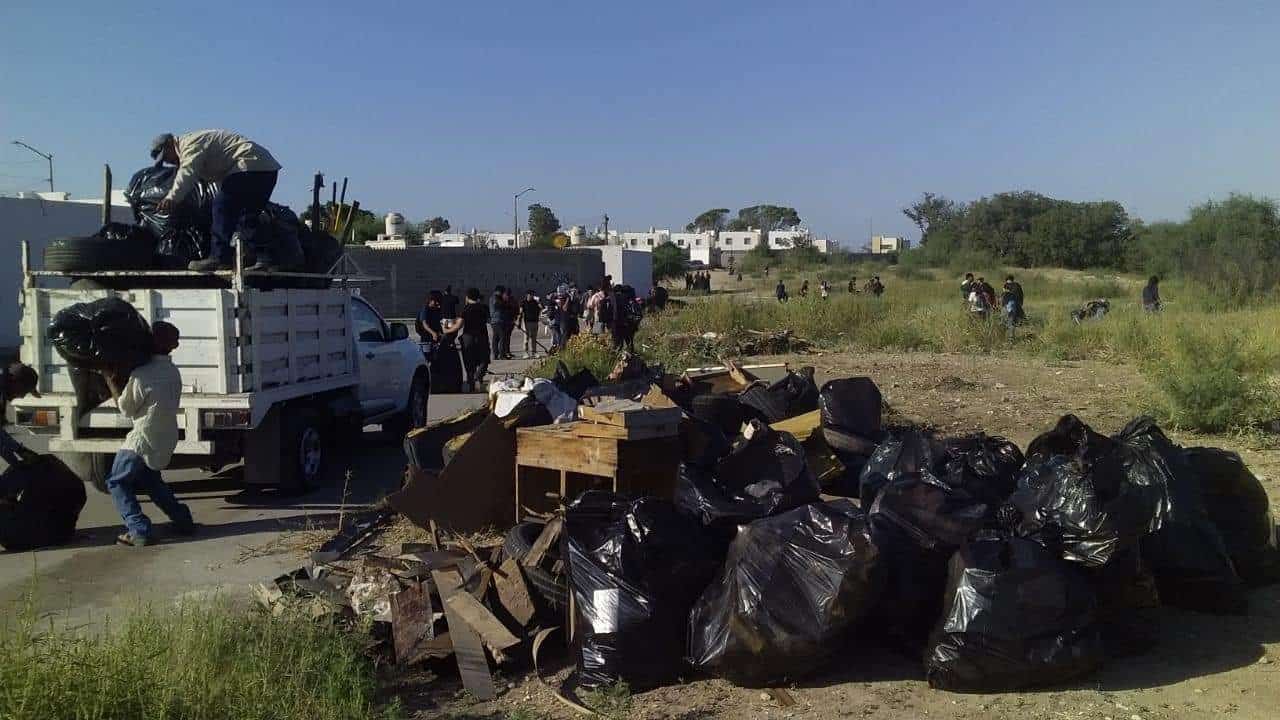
94 576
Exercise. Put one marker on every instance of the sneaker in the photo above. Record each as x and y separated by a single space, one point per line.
262 266
208 265
132 540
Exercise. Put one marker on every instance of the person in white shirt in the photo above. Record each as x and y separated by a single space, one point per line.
150 400
246 174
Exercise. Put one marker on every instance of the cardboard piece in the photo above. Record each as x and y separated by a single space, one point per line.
513 592
468 649
411 622
473 493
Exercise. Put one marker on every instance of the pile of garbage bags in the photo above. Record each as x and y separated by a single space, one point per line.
1002 571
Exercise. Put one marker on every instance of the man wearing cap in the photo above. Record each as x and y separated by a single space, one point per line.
244 171
17 380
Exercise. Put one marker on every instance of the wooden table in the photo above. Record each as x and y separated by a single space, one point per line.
561 458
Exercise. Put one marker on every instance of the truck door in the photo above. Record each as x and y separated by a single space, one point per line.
378 358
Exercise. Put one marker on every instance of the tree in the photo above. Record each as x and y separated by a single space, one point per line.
766 217
436 225
710 220
668 261
542 225
931 211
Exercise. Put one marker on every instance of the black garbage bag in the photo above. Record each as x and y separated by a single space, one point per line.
1187 555
1238 507
635 569
40 503
320 250
985 467
764 473
182 234
793 395
910 452
276 236
1092 494
1015 616
446 369
575 385
106 334
853 405
793 590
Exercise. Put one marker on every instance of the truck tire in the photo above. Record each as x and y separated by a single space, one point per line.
94 252
303 453
518 542
92 468
415 414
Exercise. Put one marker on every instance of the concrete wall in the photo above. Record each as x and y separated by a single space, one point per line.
628 267
409 274
37 221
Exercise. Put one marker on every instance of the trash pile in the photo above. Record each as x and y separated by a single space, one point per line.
794 528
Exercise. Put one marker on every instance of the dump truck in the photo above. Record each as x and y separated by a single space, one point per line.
277 369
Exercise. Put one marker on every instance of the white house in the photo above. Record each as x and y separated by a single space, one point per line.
886 244
644 240
740 240
693 240
786 239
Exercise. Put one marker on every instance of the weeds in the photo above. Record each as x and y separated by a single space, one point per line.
612 702
211 661
582 352
1212 382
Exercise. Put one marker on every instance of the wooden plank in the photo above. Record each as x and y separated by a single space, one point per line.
550 533
411 622
474 613
588 429
513 592
628 413
562 450
473 666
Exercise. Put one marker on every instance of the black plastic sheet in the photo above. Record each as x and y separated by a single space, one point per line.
635 568
793 590
765 473
106 334
1016 616
1237 505
793 395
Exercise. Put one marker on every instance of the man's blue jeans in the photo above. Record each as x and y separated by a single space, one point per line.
129 476
241 195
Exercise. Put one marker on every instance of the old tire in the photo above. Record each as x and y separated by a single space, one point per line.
93 252
92 468
303 453
518 542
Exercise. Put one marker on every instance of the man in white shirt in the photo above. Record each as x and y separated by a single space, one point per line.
150 400
244 171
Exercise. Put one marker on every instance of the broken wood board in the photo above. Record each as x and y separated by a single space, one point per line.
513 592
550 533
468 648
473 612
629 414
613 432
412 622
473 493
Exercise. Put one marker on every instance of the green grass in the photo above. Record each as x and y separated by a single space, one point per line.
612 702
215 660
582 352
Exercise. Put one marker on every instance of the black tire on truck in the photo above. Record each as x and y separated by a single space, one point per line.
92 468
94 252
303 450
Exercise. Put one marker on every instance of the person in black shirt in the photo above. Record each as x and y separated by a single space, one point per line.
1011 300
16 381
966 287
473 338
1151 295
429 320
530 310
448 303
780 292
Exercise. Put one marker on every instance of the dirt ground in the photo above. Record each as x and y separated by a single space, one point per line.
1203 666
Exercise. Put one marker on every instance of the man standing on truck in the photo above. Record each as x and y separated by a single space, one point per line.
150 400
245 173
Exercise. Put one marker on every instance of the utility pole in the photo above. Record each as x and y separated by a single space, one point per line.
606 228
48 157
515 217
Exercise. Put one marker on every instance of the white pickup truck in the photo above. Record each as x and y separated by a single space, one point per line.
273 377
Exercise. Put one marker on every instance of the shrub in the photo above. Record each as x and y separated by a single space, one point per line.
583 352
1210 381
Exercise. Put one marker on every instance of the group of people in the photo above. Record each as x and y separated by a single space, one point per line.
698 280
148 396
872 287
981 300
478 332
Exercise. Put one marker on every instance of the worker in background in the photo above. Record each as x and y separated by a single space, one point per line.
448 303
780 291
593 310
804 289
245 173
429 324
149 399
625 320
473 338
1011 300
1151 295
512 308
497 323
17 380
875 287
527 318
988 293
966 286
853 284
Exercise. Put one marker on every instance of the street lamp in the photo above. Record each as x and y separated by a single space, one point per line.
43 155
515 217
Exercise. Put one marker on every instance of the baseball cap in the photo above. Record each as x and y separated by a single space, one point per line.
158 144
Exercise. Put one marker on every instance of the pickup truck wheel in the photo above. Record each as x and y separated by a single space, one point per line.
303 453
92 468
415 415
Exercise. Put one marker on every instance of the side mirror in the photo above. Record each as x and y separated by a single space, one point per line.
399 331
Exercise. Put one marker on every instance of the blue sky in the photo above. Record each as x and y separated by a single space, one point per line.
656 111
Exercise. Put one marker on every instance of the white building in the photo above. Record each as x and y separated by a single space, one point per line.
886 244
644 240
787 239
694 240
740 240
447 239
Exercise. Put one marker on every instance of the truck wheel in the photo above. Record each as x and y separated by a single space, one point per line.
303 453
415 415
92 468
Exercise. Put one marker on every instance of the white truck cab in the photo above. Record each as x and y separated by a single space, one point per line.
276 368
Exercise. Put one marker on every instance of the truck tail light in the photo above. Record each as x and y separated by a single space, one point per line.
37 418
226 418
